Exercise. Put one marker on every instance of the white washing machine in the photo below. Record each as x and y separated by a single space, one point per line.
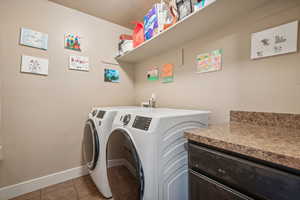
159 162
96 132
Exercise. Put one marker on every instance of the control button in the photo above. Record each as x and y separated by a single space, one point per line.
126 119
94 112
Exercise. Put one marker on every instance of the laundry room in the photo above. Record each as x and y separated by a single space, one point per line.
149 100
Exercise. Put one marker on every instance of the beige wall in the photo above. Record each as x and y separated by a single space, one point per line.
270 84
43 116
1 52
1 74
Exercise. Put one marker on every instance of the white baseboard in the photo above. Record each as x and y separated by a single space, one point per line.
122 162
41 182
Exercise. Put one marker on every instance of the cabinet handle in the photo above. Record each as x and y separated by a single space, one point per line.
222 171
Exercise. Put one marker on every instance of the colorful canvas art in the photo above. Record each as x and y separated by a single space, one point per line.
73 42
275 41
34 65
111 75
167 73
152 75
79 63
34 39
209 62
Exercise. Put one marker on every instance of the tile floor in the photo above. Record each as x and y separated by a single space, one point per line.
81 188
124 187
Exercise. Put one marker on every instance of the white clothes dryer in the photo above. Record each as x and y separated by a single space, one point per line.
151 144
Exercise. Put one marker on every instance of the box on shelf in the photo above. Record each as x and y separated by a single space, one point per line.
158 19
138 34
151 23
173 7
125 46
126 37
166 16
184 7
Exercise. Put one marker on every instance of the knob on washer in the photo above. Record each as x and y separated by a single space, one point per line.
126 119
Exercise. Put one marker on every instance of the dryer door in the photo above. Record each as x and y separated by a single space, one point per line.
125 171
90 145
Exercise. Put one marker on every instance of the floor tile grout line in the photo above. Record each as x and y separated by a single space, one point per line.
74 185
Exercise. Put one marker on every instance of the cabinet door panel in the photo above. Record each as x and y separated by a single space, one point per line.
204 188
246 176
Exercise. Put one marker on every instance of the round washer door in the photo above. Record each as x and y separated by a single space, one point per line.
127 177
91 145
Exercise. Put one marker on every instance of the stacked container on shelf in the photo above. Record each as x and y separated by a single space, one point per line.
125 44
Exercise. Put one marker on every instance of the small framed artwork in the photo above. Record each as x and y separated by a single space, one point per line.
79 63
72 41
111 75
167 73
275 41
209 62
152 74
34 65
34 39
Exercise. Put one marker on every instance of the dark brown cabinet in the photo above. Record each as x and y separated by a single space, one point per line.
204 188
217 175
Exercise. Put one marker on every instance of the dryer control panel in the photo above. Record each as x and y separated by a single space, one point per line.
142 123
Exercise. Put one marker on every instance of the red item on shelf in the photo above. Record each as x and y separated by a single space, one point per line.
138 34
125 37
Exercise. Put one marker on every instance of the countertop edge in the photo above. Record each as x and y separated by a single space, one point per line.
271 157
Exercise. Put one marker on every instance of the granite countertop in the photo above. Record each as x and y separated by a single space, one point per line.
279 145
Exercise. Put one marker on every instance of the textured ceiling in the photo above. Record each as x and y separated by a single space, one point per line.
121 12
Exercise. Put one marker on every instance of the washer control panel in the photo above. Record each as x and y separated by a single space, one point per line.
142 123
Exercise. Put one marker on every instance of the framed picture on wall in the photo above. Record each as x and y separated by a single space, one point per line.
79 63
153 74
275 41
73 41
34 65
111 75
167 73
34 39
209 62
